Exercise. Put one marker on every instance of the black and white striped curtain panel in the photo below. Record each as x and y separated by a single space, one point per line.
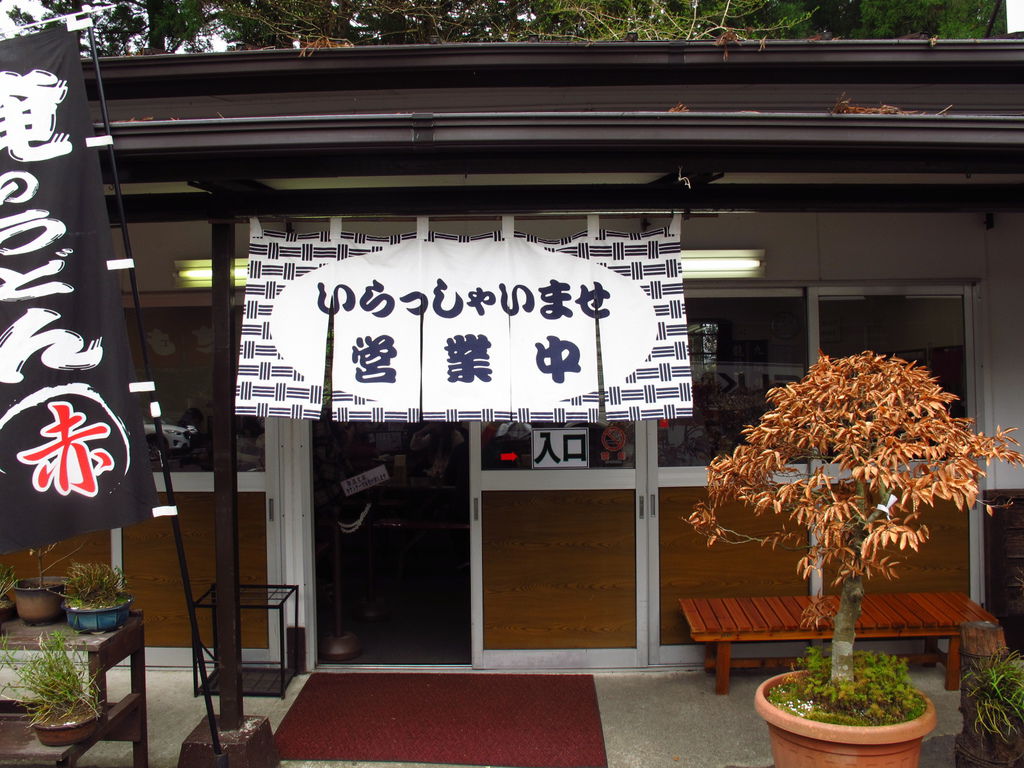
500 326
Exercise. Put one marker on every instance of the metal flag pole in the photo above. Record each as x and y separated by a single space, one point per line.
220 757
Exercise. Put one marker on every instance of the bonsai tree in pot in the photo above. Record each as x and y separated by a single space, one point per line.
879 448
55 688
96 597
39 597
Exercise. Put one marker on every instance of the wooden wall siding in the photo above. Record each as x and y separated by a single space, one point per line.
151 564
689 568
87 548
941 565
559 569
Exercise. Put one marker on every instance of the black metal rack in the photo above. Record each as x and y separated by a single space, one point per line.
267 678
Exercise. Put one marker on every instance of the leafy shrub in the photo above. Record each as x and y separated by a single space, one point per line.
879 694
95 585
54 686
996 684
7 582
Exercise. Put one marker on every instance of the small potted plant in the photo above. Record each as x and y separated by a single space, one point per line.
39 597
993 709
7 582
850 458
56 690
96 597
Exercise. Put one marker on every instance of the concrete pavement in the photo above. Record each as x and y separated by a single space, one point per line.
651 719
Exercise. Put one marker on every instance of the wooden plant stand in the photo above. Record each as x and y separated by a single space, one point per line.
123 720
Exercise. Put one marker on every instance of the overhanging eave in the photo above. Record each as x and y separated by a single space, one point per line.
381 144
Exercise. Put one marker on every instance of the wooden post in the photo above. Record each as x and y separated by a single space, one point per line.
978 641
225 483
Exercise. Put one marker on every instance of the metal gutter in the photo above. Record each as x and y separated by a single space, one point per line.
892 142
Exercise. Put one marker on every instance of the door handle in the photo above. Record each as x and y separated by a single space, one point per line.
476 508
641 500
654 506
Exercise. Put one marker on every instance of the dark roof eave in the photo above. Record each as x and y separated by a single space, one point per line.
456 200
553 64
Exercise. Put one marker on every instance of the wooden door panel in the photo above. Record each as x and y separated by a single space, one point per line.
941 565
689 568
151 564
559 569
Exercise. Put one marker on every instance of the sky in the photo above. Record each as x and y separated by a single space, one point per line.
34 8
1014 14
37 10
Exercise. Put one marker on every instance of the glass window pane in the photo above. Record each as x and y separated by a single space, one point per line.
925 329
739 349
179 341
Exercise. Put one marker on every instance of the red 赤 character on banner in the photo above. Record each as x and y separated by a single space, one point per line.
67 463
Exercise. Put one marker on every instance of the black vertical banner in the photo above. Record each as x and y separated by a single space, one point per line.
73 454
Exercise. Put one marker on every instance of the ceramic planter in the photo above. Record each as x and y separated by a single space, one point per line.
7 611
97 619
64 734
39 604
800 743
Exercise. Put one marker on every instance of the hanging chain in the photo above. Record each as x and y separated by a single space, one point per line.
353 527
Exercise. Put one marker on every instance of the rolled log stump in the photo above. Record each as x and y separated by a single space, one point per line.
978 641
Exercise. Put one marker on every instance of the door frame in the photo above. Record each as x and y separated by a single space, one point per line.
548 480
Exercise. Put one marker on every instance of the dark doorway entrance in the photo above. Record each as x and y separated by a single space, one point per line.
403 551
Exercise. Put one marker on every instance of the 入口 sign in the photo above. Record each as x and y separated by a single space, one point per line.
560 448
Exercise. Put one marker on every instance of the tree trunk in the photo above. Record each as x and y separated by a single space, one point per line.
155 38
843 628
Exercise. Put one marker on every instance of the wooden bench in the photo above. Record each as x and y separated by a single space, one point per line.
721 621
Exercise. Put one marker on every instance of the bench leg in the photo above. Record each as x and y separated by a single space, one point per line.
953 664
723 664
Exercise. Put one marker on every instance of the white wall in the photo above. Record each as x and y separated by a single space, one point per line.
826 247
1002 346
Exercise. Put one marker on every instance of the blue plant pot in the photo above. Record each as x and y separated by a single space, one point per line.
97 619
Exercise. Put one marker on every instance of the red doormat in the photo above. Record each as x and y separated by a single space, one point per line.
533 721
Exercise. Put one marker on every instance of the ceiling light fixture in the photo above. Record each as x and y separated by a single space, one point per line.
733 263
198 273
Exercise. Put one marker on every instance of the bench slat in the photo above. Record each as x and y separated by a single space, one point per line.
722 616
736 615
941 616
888 615
788 616
694 610
904 616
959 604
751 609
870 618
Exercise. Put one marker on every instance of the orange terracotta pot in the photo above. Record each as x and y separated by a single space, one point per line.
800 743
